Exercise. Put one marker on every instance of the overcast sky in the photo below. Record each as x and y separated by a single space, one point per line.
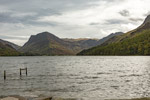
69 18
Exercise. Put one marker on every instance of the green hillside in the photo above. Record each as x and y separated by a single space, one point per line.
7 50
138 44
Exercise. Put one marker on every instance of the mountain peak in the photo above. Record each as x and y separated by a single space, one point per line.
45 34
147 20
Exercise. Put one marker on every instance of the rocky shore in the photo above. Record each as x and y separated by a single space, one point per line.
54 98
41 98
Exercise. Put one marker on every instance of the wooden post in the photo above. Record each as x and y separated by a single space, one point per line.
23 69
26 71
4 74
20 72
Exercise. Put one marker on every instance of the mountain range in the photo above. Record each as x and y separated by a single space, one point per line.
135 42
46 43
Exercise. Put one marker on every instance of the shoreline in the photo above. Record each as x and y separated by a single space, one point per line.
17 97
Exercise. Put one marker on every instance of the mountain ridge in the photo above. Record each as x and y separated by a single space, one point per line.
46 43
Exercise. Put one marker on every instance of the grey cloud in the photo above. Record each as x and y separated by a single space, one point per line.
94 23
5 17
39 8
124 13
136 19
43 7
9 17
13 37
115 21
146 14
57 5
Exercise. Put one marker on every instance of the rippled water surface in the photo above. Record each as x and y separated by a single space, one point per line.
88 77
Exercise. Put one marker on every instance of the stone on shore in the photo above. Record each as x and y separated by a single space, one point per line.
57 98
13 98
132 99
9 98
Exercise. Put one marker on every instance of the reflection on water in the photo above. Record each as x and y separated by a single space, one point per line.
88 77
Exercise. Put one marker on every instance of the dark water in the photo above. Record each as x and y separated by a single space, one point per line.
89 77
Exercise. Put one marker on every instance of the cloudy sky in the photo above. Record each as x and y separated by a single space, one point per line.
69 18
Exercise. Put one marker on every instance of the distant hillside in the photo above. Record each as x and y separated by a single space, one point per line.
135 42
9 43
48 44
101 41
80 44
78 39
7 50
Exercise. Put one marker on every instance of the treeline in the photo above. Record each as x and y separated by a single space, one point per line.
8 52
137 45
14 53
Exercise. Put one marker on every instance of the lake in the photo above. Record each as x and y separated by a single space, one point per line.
86 77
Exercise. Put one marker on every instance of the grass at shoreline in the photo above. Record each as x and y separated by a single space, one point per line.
141 99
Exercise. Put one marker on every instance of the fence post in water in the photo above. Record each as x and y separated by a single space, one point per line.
20 72
26 71
4 74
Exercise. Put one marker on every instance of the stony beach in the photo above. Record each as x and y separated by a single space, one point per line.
55 98
39 98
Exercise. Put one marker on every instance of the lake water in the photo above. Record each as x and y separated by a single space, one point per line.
87 77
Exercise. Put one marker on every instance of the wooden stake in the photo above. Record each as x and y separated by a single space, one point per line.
20 72
4 75
26 71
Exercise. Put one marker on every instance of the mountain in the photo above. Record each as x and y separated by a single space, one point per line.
101 41
6 49
80 44
48 44
135 42
45 44
9 43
